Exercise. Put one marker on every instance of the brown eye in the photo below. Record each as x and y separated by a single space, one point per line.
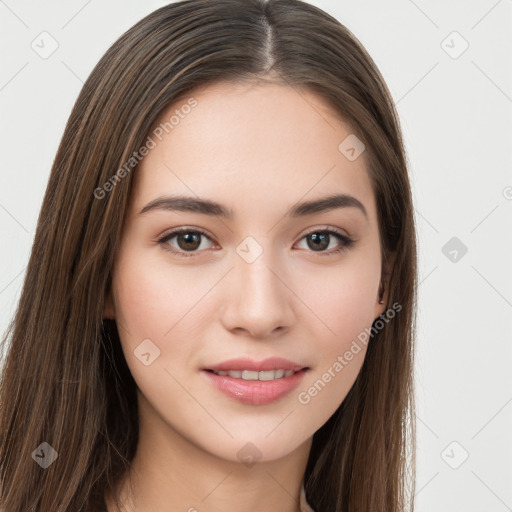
187 241
318 241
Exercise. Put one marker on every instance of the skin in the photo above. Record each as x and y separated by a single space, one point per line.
257 149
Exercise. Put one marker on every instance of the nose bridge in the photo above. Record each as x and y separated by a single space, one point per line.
256 266
260 301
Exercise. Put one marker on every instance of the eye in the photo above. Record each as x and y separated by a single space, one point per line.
188 240
320 240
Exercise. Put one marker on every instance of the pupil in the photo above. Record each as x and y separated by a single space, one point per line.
319 240
189 239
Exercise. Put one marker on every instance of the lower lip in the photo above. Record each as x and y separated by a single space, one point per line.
255 392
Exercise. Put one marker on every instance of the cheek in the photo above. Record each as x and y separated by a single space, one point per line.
342 303
343 299
164 303
153 305
150 297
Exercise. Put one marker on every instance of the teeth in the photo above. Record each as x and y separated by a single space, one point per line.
253 375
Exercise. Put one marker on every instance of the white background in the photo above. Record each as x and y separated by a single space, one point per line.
456 120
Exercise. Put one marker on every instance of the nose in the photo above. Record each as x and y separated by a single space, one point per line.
258 300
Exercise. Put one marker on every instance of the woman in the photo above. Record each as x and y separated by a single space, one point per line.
219 307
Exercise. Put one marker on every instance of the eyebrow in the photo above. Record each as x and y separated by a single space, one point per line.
207 207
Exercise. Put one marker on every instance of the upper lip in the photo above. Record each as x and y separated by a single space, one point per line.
272 363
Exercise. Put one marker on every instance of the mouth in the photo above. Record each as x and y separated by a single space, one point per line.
252 375
250 369
251 387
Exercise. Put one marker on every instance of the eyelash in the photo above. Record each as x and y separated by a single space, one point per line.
346 242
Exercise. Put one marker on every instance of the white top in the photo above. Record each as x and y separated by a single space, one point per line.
303 504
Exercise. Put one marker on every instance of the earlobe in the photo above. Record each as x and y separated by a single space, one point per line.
381 299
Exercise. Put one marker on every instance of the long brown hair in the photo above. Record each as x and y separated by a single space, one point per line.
65 381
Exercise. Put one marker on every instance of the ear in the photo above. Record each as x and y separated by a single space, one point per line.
108 309
382 298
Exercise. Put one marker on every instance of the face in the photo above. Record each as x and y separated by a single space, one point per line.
270 280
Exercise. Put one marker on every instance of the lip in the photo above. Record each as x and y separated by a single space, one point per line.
271 363
255 392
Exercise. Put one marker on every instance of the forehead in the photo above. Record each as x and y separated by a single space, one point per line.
251 146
